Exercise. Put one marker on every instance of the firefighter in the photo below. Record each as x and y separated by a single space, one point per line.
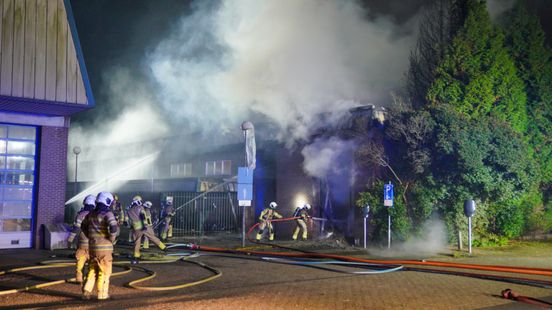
266 217
100 226
302 214
118 210
167 216
82 254
142 225
136 202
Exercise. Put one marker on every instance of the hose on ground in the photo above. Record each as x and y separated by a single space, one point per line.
69 263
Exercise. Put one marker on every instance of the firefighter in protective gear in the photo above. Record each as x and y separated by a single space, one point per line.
266 217
141 223
167 216
100 226
302 214
82 254
136 202
118 210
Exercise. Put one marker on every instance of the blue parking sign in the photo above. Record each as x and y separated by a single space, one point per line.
388 195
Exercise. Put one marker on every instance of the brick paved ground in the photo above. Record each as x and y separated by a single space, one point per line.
252 284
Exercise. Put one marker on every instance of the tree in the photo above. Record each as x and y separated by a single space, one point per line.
484 159
526 42
477 75
439 23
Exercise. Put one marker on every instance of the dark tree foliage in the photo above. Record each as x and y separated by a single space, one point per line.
484 159
477 75
526 42
440 22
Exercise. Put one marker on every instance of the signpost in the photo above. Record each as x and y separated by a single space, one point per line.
388 202
245 193
469 211
366 211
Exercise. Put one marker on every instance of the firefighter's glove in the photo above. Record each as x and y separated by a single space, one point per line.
70 240
144 228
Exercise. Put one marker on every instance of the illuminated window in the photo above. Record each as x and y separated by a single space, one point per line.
218 167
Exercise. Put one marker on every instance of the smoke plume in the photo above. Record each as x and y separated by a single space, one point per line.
282 62
431 241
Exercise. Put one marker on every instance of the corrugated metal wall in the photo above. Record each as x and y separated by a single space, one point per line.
38 58
213 212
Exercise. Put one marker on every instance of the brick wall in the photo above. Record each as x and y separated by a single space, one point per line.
51 180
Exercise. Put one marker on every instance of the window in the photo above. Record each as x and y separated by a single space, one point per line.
218 167
181 170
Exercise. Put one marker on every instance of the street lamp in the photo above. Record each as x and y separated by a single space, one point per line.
76 151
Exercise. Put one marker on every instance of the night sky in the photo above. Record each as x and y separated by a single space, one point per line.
120 32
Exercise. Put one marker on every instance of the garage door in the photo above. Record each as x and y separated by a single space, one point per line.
17 183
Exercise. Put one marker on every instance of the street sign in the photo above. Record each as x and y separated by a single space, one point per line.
245 191
245 175
388 195
244 203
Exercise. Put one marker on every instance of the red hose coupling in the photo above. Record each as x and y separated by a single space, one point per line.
509 294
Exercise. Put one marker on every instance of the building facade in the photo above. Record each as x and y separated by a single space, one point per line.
43 81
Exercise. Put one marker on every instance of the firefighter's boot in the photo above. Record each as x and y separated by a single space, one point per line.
271 237
170 233
259 235
305 234
146 243
103 287
89 284
295 233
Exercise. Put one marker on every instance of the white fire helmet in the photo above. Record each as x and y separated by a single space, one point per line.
137 200
105 198
147 204
273 205
307 206
89 200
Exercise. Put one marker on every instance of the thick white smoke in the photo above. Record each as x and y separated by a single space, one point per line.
325 156
283 61
281 64
431 241
111 142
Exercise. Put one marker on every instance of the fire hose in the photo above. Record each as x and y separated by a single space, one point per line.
128 269
509 294
425 264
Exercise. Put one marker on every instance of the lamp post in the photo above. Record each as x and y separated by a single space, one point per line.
76 151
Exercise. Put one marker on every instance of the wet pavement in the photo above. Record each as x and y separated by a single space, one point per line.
248 282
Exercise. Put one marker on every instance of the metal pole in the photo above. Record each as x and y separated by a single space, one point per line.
389 231
76 173
469 235
243 226
365 232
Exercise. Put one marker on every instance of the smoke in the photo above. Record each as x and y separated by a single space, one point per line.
291 67
112 138
498 7
432 240
281 62
326 156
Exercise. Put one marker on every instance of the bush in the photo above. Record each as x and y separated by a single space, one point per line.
400 224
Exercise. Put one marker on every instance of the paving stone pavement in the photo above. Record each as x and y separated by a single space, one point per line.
254 284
